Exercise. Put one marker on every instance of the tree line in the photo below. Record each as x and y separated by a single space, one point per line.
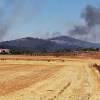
55 53
91 49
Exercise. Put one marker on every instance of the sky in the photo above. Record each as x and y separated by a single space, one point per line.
47 18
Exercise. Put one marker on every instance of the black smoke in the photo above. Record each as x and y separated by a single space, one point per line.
91 16
90 30
79 30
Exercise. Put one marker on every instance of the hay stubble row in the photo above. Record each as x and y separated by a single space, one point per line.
49 78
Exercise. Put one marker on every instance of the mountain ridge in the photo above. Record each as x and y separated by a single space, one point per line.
51 44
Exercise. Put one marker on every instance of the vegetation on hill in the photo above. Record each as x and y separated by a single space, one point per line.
52 44
91 49
52 53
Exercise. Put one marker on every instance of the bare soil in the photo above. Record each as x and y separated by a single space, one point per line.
50 78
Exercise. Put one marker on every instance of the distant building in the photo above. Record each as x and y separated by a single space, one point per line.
4 50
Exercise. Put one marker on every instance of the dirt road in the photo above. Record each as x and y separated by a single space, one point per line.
49 79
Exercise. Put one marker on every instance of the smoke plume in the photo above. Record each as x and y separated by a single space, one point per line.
55 34
15 14
91 16
79 30
90 30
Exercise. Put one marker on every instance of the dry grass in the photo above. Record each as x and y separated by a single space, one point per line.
49 78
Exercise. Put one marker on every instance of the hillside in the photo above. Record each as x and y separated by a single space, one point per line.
71 41
52 44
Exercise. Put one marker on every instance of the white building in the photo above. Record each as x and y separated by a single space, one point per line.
4 50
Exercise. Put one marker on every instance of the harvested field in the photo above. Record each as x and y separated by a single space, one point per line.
49 78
